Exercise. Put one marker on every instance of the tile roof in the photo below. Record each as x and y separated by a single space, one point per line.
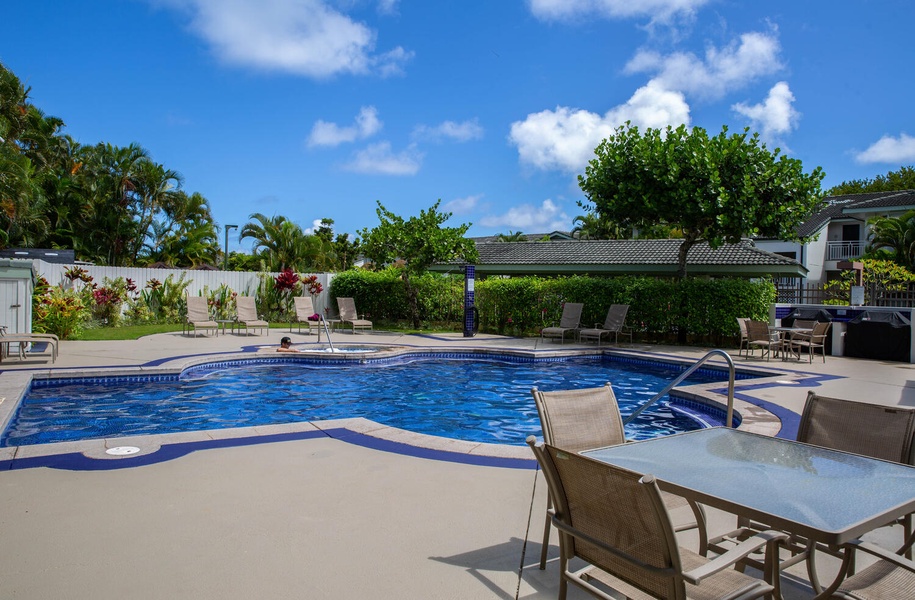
628 256
837 206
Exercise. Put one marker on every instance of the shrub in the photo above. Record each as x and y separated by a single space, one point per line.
60 312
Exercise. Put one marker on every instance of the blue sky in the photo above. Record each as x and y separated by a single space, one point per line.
320 108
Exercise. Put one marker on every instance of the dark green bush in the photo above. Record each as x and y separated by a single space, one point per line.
658 308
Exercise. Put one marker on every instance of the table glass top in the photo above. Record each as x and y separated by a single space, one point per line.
818 488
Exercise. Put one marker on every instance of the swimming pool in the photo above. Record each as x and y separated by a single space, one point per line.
479 399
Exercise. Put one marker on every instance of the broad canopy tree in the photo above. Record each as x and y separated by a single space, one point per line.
419 242
717 189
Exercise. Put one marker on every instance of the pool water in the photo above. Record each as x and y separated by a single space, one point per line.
479 400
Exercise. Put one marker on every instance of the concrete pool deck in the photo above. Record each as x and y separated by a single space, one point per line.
307 511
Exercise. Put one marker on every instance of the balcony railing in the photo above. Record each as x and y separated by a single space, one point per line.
844 250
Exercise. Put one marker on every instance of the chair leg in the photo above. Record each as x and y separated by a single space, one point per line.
544 548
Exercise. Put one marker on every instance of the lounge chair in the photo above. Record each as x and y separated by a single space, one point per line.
588 418
614 323
570 322
348 314
760 336
198 316
24 341
304 310
246 315
615 521
874 430
816 339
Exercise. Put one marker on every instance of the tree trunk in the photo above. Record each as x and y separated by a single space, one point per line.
688 243
412 300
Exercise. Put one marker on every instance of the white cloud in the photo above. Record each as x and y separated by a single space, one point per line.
571 9
378 159
315 225
462 206
388 7
531 219
889 150
365 125
305 37
721 70
461 132
775 116
565 138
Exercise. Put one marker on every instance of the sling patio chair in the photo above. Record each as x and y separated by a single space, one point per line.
892 576
589 418
246 315
744 337
569 322
348 314
760 336
615 520
816 339
873 430
198 316
614 323
305 315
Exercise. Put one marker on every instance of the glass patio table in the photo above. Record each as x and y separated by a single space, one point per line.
826 495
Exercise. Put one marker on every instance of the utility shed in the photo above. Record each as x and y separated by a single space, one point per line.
16 286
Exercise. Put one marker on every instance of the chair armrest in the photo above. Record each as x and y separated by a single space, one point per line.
740 551
883 553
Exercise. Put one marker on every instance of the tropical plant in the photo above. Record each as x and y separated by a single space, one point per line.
896 235
511 236
284 245
59 311
903 179
418 243
718 189
221 301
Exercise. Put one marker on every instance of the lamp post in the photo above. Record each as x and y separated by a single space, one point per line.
225 264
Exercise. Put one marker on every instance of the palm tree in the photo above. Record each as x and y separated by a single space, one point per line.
23 206
896 234
154 188
108 181
511 236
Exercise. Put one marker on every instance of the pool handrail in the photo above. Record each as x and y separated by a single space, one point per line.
326 332
729 422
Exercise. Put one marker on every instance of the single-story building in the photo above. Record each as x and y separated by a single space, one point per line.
627 257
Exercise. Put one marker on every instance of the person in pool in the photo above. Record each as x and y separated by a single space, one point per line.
286 345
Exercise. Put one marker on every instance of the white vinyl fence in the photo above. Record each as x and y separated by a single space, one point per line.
243 282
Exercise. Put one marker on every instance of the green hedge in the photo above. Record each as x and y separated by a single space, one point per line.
658 308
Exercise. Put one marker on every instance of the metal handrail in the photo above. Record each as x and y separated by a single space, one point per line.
326 332
731 369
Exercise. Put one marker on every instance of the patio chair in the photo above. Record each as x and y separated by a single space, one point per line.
614 323
874 430
759 336
304 310
198 316
744 338
817 339
892 576
615 521
246 315
588 418
569 322
25 342
348 314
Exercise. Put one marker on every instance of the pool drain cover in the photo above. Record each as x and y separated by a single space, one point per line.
122 450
